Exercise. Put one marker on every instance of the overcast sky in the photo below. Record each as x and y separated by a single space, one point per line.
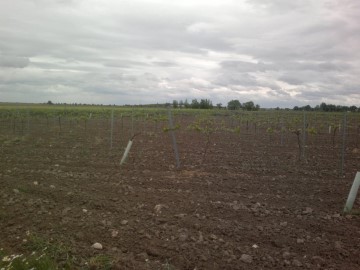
273 52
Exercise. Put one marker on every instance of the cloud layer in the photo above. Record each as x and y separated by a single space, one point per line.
276 53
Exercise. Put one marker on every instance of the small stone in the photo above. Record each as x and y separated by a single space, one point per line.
256 205
158 208
143 256
300 241
296 263
318 259
84 210
66 210
16 191
203 258
201 237
246 258
307 211
79 235
154 252
287 262
338 245
97 246
317 239
283 224
182 237
286 255
114 233
124 222
36 183
52 186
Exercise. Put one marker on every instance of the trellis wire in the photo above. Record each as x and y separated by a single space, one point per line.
43 130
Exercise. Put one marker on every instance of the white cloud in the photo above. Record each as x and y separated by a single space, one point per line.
201 27
272 52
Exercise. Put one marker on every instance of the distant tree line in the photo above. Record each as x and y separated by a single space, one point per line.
207 104
247 106
77 104
327 108
232 105
194 104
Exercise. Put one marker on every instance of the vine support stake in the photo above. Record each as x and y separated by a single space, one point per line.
174 139
352 194
343 146
59 120
282 132
132 122
28 121
304 137
111 129
127 149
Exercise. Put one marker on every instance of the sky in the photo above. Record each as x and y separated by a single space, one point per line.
277 53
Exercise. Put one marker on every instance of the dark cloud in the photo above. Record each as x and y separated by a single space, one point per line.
13 61
235 78
291 79
279 6
124 63
280 93
165 64
241 66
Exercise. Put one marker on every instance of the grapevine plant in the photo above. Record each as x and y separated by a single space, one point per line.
206 126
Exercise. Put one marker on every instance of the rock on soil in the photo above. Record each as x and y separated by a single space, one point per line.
97 246
246 258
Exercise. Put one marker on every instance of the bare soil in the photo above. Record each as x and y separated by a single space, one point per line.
250 203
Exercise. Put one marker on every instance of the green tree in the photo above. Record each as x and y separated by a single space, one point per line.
195 104
205 104
175 104
234 105
249 106
186 104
